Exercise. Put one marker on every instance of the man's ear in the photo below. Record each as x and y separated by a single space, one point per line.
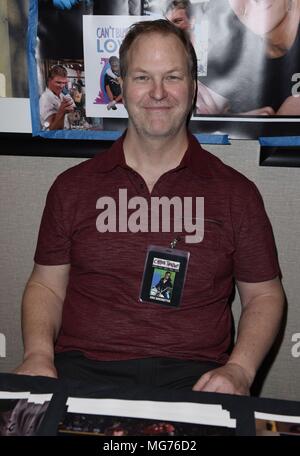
122 84
194 100
195 87
195 91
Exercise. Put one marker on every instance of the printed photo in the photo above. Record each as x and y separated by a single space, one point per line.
62 101
253 59
102 38
18 417
162 285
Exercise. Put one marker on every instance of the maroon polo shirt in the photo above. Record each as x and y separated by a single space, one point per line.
102 315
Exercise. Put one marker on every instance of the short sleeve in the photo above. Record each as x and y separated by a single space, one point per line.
255 258
47 109
54 240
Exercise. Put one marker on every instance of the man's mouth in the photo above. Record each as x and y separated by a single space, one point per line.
157 107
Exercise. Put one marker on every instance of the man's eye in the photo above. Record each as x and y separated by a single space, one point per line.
173 77
141 78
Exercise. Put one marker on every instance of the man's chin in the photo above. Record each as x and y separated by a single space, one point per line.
160 133
161 129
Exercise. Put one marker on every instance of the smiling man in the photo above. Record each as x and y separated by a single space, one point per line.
158 91
54 105
88 311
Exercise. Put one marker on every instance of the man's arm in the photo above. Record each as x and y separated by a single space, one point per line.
41 318
290 107
211 102
262 309
109 92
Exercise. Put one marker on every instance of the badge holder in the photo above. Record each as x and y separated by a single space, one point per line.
164 275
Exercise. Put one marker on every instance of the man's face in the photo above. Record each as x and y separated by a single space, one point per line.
56 84
179 18
115 66
158 89
260 16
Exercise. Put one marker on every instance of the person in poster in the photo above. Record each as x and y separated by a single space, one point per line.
180 14
164 286
253 60
112 83
54 105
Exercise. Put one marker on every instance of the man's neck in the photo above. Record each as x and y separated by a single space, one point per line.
152 157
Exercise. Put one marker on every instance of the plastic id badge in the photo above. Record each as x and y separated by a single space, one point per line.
164 276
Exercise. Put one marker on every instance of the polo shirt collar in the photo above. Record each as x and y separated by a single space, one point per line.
195 158
112 157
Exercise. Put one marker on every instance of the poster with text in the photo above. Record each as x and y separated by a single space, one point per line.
102 38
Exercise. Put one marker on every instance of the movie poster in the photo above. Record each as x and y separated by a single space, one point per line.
102 37
248 63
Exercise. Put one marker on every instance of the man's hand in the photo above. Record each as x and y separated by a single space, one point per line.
37 364
67 105
210 102
264 111
228 379
64 4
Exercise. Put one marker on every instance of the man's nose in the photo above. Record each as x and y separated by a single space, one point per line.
158 90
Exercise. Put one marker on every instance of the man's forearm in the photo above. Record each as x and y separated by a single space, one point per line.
41 320
258 327
263 305
57 122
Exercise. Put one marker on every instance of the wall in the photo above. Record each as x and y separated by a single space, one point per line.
24 182
13 62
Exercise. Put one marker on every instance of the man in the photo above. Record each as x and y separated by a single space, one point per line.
179 12
112 83
163 288
54 105
83 294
